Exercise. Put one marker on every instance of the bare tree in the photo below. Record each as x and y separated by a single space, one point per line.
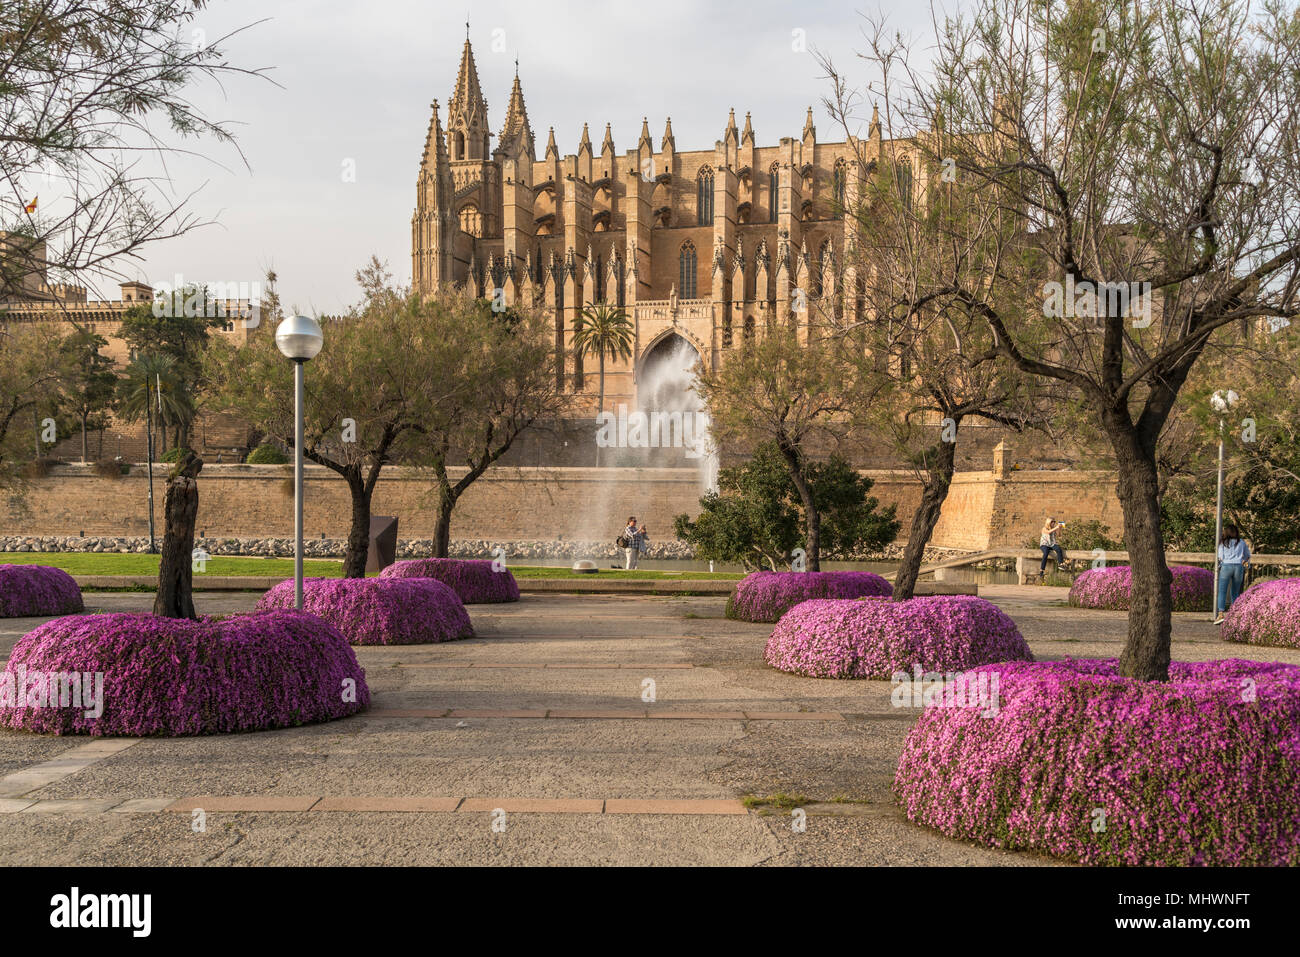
86 88
1116 188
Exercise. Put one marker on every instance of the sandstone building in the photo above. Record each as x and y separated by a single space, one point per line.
703 247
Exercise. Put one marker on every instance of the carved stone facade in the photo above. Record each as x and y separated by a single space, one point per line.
711 246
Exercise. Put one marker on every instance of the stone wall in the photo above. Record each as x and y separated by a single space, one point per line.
984 509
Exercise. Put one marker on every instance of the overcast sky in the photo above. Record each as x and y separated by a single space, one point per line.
356 79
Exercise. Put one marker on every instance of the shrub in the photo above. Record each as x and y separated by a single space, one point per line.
175 455
1266 613
472 579
111 468
838 638
266 454
380 611
172 676
766 596
32 590
39 468
1192 588
1084 764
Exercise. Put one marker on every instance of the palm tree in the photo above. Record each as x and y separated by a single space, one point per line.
603 330
150 384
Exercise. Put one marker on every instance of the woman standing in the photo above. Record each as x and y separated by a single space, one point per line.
1047 542
1234 556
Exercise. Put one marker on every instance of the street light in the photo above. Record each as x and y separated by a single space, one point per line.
299 338
1222 403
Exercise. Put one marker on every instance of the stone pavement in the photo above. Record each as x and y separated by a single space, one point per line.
535 743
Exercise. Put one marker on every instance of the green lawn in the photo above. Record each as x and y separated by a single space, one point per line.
117 563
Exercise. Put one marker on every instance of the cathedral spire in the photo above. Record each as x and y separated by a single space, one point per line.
608 143
552 151
645 140
517 131
668 136
585 142
874 129
808 129
748 132
467 120
730 131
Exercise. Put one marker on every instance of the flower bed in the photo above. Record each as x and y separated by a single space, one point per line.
1266 613
172 676
472 579
1081 763
380 611
830 638
1192 588
766 596
32 590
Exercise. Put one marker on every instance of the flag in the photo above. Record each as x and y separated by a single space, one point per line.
31 207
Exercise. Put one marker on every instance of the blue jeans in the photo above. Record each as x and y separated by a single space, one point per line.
1231 578
1048 550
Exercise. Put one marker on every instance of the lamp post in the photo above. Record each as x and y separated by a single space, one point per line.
299 338
1222 403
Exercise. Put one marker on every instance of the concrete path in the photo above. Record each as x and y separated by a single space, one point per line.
573 730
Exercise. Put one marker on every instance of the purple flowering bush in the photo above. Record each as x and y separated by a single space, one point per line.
471 578
1266 613
830 638
37 590
1081 763
766 596
380 611
173 676
1192 588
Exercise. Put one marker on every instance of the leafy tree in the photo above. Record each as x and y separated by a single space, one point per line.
756 517
31 366
602 330
504 381
368 394
1141 158
782 391
89 383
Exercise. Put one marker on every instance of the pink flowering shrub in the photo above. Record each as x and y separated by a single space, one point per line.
1266 613
172 676
471 578
1192 588
32 590
830 638
766 596
380 611
1081 763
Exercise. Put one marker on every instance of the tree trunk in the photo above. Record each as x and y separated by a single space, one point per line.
83 440
442 520
354 561
924 520
812 517
175 597
1146 652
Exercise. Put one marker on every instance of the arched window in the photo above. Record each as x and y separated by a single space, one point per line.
618 271
905 184
838 183
598 293
704 197
749 329
772 181
459 151
470 220
686 271
726 328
